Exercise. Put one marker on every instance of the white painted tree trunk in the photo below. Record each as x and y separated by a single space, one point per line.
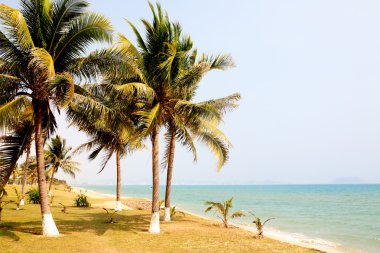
119 207
167 214
22 202
48 226
155 223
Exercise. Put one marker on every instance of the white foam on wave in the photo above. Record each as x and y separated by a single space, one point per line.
297 239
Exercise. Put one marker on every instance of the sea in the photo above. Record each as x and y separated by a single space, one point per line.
335 218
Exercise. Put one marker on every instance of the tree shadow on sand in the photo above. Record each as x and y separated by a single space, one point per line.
5 232
85 221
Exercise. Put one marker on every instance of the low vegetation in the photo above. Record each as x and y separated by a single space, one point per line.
33 196
81 200
223 210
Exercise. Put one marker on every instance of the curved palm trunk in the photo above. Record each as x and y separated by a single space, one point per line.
155 220
25 178
118 182
48 225
51 181
169 176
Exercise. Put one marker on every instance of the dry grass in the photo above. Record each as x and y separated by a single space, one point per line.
86 230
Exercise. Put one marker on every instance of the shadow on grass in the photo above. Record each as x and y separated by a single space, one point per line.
84 220
4 231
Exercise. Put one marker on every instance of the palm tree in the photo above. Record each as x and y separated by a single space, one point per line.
223 209
201 127
58 157
259 225
41 53
114 136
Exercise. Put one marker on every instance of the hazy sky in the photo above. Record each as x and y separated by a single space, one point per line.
309 75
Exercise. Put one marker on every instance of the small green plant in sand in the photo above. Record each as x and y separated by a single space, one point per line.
64 208
81 200
33 196
3 202
223 209
259 225
174 211
110 213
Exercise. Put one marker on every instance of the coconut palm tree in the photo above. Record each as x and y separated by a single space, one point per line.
203 128
58 157
41 54
223 209
114 136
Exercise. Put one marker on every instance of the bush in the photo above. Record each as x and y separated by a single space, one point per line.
33 196
81 200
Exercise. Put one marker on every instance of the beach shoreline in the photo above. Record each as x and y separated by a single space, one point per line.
318 244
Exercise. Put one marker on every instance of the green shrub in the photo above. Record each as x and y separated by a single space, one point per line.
81 200
33 196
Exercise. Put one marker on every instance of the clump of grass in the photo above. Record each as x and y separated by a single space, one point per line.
81 200
64 208
33 196
110 215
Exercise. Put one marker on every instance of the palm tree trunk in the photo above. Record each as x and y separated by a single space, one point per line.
48 225
169 175
51 181
118 182
25 178
155 220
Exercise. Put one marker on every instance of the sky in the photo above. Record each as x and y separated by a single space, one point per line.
308 73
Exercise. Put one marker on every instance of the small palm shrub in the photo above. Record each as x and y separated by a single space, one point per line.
110 215
33 196
64 208
3 203
81 200
259 225
18 197
223 209
174 211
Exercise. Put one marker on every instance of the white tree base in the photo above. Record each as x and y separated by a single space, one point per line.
119 206
48 226
155 223
22 202
167 214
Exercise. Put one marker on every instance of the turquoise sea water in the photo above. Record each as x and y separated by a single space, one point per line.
345 217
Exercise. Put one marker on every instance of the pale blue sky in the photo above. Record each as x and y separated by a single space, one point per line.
309 74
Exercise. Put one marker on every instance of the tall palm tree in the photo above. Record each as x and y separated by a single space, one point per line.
58 157
41 53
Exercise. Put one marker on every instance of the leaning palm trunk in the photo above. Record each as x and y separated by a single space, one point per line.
51 181
155 220
25 178
48 225
169 176
118 183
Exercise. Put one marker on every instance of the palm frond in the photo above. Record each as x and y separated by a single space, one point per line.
12 110
16 26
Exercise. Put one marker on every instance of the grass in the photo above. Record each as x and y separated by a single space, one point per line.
87 230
